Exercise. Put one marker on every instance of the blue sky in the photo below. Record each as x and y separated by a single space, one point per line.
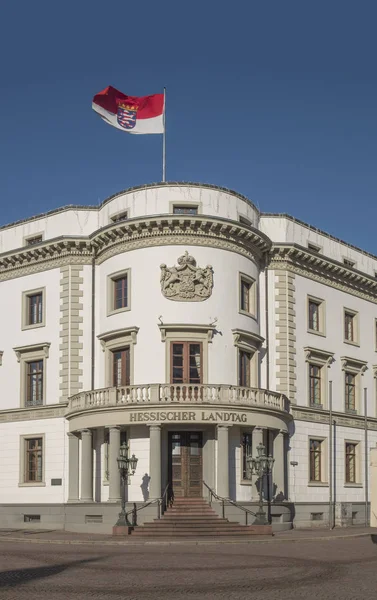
277 100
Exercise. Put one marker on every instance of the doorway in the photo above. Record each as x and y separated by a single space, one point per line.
185 463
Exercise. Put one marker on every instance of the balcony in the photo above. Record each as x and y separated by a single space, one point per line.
163 395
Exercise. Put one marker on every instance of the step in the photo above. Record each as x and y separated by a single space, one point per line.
193 534
191 520
168 527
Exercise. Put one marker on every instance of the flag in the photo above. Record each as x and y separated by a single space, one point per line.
130 113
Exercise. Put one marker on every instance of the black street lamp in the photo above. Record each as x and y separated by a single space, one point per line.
127 466
260 466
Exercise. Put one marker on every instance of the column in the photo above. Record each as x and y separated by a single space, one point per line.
154 461
279 491
113 454
86 466
223 461
257 438
73 468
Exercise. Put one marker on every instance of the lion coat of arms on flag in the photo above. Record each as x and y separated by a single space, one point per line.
126 115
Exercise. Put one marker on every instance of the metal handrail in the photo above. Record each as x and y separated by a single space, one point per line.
161 502
212 494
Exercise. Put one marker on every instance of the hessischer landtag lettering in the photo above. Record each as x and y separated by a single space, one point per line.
188 415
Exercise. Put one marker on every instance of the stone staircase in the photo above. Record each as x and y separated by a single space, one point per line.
194 518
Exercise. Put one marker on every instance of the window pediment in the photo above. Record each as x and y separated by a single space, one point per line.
319 356
129 334
44 348
187 328
353 365
246 340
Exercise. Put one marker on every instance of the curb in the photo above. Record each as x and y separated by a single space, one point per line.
180 542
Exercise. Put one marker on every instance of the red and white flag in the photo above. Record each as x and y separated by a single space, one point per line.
130 113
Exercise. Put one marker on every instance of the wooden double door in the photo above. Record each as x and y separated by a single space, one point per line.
185 463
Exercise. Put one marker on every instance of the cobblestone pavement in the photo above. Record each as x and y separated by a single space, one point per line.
336 569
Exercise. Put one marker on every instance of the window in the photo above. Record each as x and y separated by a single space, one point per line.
122 216
34 383
244 221
33 309
247 287
185 209
36 239
244 364
119 292
351 463
316 315
33 460
246 449
314 248
350 391
186 362
350 326
315 385
349 263
121 367
315 460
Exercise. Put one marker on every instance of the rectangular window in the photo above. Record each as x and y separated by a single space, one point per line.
122 216
246 452
349 326
315 460
33 460
36 239
316 315
348 263
313 247
247 295
244 368
120 292
244 221
350 391
185 210
35 308
351 462
121 367
315 385
186 362
34 383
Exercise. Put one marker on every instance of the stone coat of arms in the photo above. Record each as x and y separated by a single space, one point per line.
186 282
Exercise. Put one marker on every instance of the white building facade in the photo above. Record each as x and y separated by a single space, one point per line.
178 319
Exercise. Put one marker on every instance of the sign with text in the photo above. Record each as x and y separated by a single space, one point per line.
193 416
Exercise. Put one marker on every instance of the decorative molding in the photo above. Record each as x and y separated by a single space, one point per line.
318 355
49 411
301 261
187 282
353 364
246 340
302 413
43 346
285 327
130 332
184 328
71 333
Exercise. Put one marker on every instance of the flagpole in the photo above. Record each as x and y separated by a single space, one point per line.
164 141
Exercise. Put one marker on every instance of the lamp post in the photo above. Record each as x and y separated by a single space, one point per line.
260 466
127 466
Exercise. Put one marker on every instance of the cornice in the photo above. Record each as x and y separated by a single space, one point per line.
49 411
195 230
300 260
315 415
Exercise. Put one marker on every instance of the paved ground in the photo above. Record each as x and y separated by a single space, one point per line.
339 568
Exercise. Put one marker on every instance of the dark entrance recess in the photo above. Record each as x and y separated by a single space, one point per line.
185 463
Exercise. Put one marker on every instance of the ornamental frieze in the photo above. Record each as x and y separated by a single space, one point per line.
186 282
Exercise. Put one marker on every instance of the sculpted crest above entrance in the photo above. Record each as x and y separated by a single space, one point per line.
186 282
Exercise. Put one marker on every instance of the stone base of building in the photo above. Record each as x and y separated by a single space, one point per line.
122 530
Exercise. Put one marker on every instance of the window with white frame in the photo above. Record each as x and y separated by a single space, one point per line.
248 345
33 308
185 209
118 346
33 373
121 216
351 326
316 315
315 385
32 460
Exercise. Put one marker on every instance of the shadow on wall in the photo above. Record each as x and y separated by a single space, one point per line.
145 486
21 576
